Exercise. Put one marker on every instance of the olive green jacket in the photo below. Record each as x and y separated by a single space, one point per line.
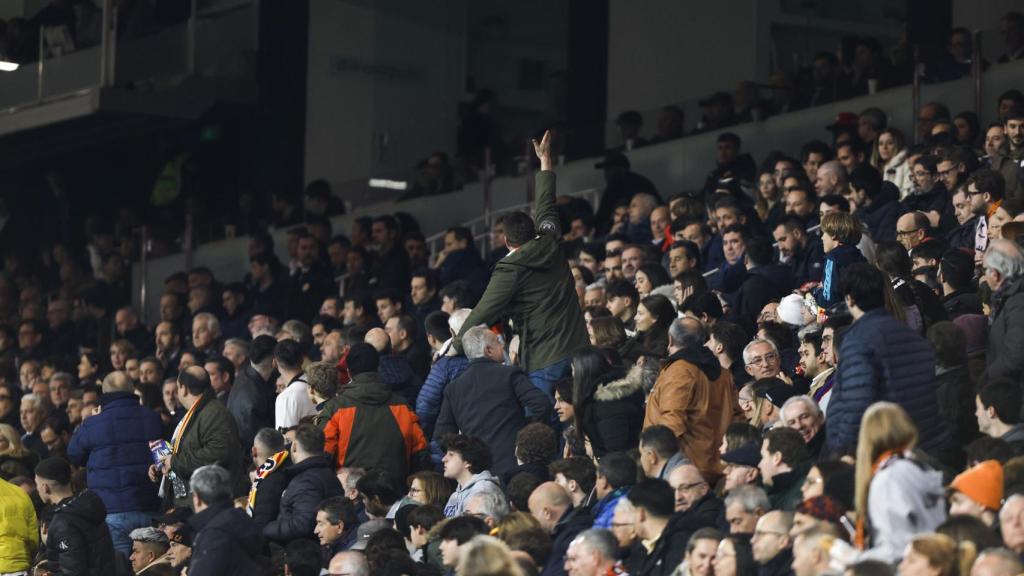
533 286
211 437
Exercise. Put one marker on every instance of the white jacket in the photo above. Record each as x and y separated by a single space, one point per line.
906 498
897 171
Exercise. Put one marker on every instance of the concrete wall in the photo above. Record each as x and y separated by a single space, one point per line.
384 79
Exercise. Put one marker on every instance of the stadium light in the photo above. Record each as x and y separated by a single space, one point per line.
6 66
388 184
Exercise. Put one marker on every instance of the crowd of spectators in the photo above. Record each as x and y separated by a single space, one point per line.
812 365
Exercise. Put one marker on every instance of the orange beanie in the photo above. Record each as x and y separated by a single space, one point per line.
982 483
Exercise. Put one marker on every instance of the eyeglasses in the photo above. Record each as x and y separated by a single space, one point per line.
759 360
5 396
922 174
947 172
812 481
969 192
691 486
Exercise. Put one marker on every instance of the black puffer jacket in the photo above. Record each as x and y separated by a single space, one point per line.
226 542
1006 335
312 481
613 418
79 541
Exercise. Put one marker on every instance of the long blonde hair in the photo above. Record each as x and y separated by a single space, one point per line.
885 427
944 554
14 446
486 556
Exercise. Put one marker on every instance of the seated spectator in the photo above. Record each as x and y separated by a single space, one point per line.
623 301
741 465
467 461
696 504
784 465
744 507
551 506
490 401
616 474
998 413
651 501
594 552
771 543
659 452
149 552
801 251
536 447
978 492
577 475
801 413
373 428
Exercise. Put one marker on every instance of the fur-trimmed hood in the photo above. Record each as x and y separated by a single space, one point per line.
620 388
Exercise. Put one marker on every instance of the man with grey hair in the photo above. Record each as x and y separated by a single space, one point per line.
205 333
831 179
744 506
801 413
349 563
997 562
35 409
226 540
149 552
1004 273
693 397
490 401
593 553
237 351
491 507
762 359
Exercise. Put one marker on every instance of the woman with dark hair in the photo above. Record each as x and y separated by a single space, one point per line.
654 315
648 277
735 557
967 129
609 403
89 368
922 307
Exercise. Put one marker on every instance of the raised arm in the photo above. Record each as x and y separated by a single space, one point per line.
545 215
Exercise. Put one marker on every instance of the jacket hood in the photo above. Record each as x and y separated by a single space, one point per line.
485 476
621 387
777 274
700 357
86 505
366 388
541 253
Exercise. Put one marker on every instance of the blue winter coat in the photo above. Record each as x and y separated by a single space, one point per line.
114 446
882 359
836 261
428 403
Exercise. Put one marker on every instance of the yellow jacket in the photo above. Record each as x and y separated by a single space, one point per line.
19 535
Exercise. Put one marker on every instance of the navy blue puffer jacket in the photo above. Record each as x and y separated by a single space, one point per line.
114 446
882 359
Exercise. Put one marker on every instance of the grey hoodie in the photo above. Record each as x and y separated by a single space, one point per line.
906 498
478 484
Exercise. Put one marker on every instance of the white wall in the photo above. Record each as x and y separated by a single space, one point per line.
383 84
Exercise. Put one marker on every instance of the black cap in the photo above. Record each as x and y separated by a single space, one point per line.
773 390
183 535
613 160
747 455
175 516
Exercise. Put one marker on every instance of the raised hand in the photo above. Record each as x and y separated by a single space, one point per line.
543 150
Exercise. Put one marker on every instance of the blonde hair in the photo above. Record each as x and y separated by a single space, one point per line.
944 554
515 523
486 556
14 446
885 427
842 227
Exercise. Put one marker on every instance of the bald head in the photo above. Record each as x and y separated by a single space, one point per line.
688 485
117 382
548 503
686 333
379 339
351 563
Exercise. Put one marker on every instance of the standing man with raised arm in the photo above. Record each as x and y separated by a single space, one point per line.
534 287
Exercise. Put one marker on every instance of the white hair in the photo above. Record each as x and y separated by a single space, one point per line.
812 406
149 535
1004 257
492 504
458 318
212 324
755 342
475 340
750 497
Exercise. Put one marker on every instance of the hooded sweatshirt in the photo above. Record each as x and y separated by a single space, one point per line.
478 484
79 541
694 398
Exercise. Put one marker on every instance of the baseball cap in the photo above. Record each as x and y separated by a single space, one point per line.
773 390
747 455
175 516
184 535
367 529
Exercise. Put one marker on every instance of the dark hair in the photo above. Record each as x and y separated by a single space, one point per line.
262 347
691 249
461 234
589 364
459 292
362 358
866 178
789 443
378 483
1004 395
462 529
815 147
986 447
865 284
594 249
536 443
653 495
780 334
655 273
302 557
694 279
957 269
338 510
55 469
703 303
731 336
288 354
618 469
224 366
622 289
759 251
664 313
870 568
534 541
426 516
741 433
661 439
964 528
310 438
473 450
195 383
519 489
949 343
745 563
928 162
436 325
577 468
988 180
836 201
519 228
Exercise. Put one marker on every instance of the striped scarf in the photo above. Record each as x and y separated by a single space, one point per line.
265 469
